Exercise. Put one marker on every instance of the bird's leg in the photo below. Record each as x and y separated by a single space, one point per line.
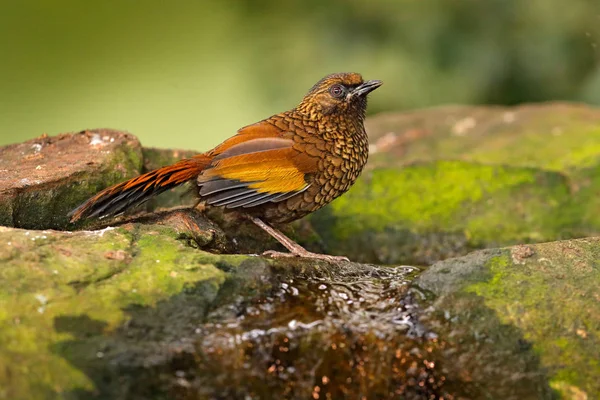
295 249
199 205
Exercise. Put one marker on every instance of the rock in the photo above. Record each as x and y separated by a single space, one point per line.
541 297
441 182
44 178
139 312
118 313
62 292
551 136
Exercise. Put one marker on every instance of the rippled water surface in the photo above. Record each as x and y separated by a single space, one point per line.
325 333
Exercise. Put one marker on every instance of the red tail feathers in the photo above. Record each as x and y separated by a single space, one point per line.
116 199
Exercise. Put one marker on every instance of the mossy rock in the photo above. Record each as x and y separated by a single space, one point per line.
45 178
552 136
424 212
61 293
139 312
547 292
441 182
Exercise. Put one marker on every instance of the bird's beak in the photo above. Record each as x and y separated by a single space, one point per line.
366 88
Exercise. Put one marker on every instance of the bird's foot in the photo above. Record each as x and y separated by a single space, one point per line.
305 254
295 249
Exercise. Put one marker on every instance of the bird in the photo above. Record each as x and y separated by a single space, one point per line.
274 171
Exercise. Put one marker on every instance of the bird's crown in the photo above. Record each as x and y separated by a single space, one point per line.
342 93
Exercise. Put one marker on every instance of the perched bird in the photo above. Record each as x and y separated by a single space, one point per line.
274 171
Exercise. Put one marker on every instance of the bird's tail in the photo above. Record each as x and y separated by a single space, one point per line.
116 199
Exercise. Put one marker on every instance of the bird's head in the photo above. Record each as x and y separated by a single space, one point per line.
338 94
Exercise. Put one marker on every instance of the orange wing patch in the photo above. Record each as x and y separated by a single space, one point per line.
254 172
272 171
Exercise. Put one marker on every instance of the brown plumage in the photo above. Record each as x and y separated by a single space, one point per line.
274 171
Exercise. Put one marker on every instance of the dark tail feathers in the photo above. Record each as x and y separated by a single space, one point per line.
122 196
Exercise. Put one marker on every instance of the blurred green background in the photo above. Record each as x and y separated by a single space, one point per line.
187 74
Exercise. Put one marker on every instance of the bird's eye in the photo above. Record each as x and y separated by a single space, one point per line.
337 90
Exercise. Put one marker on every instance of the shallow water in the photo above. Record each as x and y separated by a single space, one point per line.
324 333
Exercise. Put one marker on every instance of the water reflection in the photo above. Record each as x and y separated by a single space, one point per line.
324 333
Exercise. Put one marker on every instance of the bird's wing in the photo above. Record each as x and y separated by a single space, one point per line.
254 167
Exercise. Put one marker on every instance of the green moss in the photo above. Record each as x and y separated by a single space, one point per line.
423 196
447 200
6 210
550 298
536 212
49 276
